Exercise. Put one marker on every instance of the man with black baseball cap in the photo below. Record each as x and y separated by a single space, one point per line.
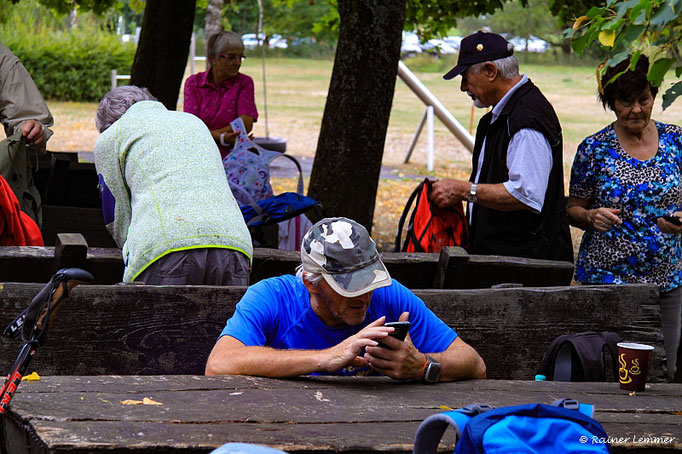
515 194
329 318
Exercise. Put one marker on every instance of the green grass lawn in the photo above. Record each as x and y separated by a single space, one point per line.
297 91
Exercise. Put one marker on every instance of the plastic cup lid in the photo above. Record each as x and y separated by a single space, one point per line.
635 346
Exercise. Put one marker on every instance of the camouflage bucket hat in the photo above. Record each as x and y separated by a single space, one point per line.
343 252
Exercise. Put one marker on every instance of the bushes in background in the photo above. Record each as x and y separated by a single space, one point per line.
69 65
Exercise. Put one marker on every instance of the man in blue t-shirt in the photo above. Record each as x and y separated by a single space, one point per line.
329 318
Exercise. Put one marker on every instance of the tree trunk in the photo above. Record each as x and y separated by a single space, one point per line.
162 52
213 15
347 165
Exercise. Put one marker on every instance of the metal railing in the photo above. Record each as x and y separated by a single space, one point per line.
433 106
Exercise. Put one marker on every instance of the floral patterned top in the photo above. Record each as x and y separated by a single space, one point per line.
635 251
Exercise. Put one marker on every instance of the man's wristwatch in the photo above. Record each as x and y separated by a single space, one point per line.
471 196
431 370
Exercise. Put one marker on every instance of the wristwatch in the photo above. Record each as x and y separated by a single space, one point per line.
471 196
431 371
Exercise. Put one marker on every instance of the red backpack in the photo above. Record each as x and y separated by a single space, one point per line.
431 227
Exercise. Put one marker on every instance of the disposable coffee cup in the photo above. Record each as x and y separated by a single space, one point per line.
633 365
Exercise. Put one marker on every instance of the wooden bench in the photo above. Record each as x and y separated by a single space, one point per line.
452 268
139 329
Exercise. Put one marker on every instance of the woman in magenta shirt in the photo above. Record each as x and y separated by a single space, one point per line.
222 93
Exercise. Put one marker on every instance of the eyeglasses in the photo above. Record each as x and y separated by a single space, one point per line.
232 57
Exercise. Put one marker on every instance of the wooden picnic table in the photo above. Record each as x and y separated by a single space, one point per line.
72 414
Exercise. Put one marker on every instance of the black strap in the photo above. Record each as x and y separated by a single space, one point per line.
563 366
406 210
299 186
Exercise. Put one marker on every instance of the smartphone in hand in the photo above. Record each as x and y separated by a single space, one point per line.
672 219
401 329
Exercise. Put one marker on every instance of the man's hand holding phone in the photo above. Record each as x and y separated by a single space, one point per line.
401 360
401 329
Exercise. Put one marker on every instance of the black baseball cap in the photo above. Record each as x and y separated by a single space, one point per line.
478 48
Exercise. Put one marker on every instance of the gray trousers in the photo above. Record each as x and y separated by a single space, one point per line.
671 319
205 266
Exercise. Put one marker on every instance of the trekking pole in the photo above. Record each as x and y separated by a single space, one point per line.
33 324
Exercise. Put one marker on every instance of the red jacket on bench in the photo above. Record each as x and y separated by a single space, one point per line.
16 227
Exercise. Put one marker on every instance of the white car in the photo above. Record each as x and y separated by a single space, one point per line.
438 46
251 41
453 41
410 45
277 42
535 44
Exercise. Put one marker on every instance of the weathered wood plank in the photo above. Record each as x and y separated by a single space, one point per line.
305 415
414 270
457 269
171 330
261 405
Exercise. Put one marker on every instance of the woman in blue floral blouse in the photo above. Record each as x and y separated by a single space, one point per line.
624 178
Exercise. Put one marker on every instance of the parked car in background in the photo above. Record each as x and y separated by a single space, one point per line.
277 42
438 47
453 41
410 44
251 41
534 44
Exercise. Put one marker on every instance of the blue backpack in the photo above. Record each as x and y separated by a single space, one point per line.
278 208
566 426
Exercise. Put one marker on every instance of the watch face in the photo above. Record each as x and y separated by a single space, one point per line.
432 372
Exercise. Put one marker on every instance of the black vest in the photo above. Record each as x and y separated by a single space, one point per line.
522 233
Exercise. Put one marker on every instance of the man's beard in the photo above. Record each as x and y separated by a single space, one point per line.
478 103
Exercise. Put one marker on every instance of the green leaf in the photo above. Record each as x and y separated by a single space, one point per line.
658 69
632 33
568 33
595 11
623 7
672 94
617 58
664 14
638 14
615 77
612 24
579 45
634 59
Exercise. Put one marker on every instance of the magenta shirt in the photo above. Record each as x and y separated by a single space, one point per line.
218 106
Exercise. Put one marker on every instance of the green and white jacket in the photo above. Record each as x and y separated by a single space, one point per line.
164 188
